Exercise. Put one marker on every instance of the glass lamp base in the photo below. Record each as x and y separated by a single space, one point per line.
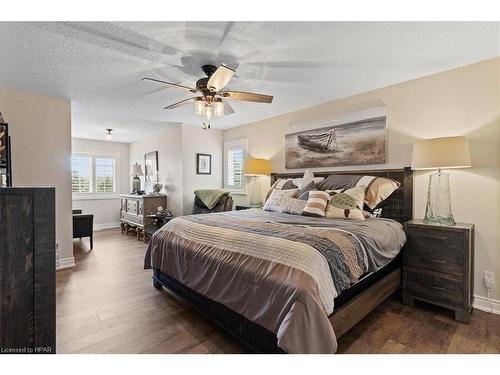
255 192
438 209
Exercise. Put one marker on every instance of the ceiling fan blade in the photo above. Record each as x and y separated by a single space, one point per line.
247 96
220 78
228 110
179 104
170 84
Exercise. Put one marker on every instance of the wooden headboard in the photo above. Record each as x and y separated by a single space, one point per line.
399 206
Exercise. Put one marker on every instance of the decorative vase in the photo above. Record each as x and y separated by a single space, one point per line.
157 188
438 208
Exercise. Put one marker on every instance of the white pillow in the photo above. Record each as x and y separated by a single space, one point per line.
275 200
293 206
306 179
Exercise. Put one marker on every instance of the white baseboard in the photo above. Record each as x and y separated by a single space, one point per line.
65 263
115 224
487 304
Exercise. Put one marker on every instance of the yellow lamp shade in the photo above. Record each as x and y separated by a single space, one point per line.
256 167
441 153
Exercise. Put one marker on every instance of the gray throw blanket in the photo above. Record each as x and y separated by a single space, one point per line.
210 197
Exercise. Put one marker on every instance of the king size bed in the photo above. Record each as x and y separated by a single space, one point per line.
280 282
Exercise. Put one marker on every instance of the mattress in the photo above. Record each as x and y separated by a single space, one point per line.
367 280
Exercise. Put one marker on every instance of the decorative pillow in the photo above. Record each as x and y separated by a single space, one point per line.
346 204
277 196
304 191
316 204
281 184
298 181
378 189
293 206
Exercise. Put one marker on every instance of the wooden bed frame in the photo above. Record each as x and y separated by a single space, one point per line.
399 207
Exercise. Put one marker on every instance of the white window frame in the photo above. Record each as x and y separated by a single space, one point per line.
94 194
242 142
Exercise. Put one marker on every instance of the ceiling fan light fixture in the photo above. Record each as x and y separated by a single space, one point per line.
199 106
209 111
218 108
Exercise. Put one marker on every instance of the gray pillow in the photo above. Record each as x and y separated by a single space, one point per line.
304 191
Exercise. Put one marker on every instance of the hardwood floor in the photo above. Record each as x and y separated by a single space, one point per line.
107 304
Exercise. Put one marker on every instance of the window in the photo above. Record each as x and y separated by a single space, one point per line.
234 156
105 175
93 175
81 174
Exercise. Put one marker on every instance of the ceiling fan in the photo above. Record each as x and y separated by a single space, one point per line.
210 95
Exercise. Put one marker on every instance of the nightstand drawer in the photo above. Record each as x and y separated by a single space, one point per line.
425 237
431 257
431 286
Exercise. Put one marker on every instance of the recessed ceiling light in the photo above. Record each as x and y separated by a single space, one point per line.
109 136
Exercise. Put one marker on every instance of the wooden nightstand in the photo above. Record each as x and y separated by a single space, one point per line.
438 266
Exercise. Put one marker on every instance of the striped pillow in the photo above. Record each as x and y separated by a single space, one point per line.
316 204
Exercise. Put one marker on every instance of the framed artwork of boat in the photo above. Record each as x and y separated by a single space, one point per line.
330 143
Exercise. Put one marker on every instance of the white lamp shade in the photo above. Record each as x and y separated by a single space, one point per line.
444 153
136 170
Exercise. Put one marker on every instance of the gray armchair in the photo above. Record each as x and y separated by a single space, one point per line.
83 226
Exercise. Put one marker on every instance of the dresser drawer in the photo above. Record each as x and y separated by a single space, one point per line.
132 206
134 219
434 287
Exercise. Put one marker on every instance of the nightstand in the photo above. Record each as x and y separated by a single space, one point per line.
239 207
438 266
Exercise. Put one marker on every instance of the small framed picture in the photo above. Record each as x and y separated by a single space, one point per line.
203 164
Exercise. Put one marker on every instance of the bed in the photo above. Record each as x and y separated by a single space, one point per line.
280 282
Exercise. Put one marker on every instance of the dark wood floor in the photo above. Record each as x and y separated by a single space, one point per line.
108 305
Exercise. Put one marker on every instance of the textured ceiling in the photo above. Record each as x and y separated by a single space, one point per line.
99 66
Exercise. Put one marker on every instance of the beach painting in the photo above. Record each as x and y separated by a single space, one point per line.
360 142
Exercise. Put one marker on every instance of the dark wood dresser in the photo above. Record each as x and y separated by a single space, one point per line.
27 270
438 266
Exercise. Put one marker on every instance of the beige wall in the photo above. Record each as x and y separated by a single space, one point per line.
462 101
40 127
196 140
177 146
168 143
106 211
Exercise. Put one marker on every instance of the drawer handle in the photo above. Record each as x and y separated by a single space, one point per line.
433 260
437 287
431 237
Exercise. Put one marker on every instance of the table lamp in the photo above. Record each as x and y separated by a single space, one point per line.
136 171
440 153
255 168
